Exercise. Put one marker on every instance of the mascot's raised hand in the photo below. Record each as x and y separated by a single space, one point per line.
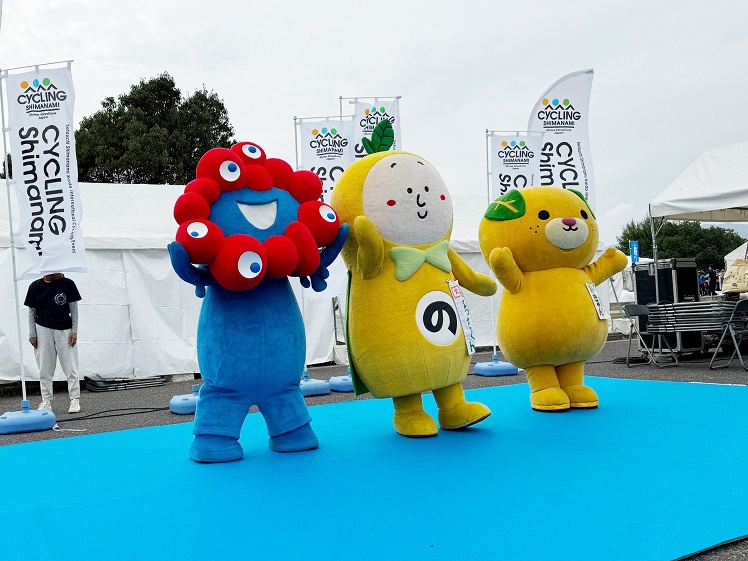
249 222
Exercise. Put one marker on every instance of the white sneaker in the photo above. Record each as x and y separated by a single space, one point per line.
45 405
75 406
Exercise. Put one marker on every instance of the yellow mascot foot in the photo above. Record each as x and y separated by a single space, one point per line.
415 424
463 415
581 397
550 399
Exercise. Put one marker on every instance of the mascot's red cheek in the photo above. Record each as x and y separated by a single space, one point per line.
305 186
306 248
190 206
241 263
282 256
201 238
321 221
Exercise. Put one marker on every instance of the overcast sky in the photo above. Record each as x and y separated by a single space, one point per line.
671 78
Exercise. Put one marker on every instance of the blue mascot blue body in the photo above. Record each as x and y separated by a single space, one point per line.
250 340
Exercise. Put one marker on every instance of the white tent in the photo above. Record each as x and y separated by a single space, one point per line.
712 189
137 319
737 253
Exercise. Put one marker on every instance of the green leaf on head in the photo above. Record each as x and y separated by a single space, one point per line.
382 138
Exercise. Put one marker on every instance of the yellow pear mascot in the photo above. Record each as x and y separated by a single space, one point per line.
405 335
539 242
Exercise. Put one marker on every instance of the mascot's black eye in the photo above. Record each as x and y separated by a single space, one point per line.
584 214
410 190
544 215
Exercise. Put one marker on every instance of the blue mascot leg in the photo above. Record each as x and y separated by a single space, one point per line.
218 422
288 421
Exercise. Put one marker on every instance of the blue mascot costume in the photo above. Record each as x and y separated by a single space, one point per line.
248 222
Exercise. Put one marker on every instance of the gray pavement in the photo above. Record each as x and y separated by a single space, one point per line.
136 408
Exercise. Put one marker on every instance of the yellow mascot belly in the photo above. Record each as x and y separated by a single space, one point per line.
405 337
552 320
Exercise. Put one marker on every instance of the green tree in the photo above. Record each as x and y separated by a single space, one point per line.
151 134
708 246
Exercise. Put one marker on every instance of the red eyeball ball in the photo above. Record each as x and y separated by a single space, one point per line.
305 186
306 246
321 220
280 171
201 238
224 167
259 179
250 153
241 263
282 256
207 188
190 206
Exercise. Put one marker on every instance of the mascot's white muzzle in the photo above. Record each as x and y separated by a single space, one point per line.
566 233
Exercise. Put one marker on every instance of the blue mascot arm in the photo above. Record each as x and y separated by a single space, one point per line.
326 257
198 276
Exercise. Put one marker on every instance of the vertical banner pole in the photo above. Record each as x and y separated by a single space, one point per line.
488 197
3 76
296 141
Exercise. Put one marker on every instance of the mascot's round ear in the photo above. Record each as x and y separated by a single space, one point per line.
508 207
579 194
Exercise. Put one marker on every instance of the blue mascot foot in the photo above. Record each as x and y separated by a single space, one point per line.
212 449
297 440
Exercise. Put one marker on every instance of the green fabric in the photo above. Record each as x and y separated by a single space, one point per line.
409 259
359 387
382 138
508 207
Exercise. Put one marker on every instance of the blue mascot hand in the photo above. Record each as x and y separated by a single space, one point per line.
326 257
180 262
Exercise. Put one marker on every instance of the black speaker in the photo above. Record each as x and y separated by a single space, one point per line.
678 282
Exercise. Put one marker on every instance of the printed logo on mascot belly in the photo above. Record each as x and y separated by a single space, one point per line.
557 114
328 144
436 318
41 97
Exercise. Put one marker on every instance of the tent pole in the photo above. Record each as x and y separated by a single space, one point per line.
654 256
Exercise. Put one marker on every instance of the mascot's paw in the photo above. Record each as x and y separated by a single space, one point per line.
581 397
550 399
212 449
415 424
463 415
297 440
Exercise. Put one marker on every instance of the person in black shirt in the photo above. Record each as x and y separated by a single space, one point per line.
712 281
53 332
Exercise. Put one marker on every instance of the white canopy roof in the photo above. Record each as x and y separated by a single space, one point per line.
712 189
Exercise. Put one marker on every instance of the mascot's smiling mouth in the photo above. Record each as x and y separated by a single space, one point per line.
261 216
425 213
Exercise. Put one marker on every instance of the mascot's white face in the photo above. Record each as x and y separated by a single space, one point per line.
407 200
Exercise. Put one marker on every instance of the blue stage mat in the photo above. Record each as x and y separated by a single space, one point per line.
660 470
